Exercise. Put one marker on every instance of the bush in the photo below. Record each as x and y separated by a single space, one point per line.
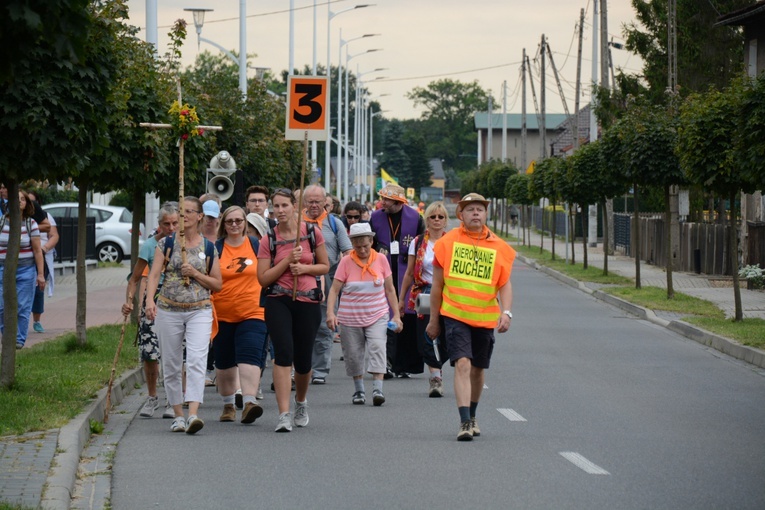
122 199
753 274
51 195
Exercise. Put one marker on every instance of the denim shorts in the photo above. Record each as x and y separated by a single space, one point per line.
240 342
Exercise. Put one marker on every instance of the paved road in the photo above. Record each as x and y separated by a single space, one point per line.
586 407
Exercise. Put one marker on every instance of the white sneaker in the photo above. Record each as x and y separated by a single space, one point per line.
179 424
285 423
210 378
301 413
151 405
169 413
259 396
194 425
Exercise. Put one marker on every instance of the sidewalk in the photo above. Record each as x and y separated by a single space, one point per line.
714 288
26 461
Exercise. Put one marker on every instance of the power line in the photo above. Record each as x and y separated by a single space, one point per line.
453 73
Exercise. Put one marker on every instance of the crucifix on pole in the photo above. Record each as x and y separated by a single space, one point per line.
185 124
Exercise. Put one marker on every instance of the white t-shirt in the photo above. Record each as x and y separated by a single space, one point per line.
427 260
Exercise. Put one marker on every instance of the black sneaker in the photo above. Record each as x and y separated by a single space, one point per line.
466 431
378 398
359 398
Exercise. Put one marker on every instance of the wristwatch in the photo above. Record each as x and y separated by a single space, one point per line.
508 313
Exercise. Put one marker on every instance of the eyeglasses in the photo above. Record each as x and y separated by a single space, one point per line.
192 211
234 221
353 216
437 217
256 200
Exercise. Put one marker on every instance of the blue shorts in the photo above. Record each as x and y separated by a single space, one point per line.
463 341
240 342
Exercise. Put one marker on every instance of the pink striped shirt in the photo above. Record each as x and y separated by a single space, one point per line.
363 301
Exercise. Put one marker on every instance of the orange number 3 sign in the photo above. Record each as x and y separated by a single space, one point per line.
307 108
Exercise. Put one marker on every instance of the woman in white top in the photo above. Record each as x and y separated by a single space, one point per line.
418 277
48 242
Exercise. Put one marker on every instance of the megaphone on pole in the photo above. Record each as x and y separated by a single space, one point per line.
219 175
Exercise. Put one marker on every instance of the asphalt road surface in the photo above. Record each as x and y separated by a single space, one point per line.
585 407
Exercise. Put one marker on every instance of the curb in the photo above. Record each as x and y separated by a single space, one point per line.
72 439
727 346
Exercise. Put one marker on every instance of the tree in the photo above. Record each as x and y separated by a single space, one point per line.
581 184
394 159
448 118
711 153
707 55
419 173
517 190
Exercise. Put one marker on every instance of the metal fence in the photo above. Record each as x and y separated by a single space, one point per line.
66 249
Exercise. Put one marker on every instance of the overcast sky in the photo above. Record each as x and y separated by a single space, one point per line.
421 41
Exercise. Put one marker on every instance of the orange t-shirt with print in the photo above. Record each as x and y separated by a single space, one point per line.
239 299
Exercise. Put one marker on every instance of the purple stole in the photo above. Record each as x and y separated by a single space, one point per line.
406 234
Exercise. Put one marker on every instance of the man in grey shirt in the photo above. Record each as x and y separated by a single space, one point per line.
337 243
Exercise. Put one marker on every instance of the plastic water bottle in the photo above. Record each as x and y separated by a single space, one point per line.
392 326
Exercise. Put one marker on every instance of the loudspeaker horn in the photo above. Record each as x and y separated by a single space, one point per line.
221 186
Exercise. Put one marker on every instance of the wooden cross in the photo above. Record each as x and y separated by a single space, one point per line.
181 212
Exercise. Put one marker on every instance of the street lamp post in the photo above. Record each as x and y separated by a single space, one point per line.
359 123
369 177
340 107
328 145
199 20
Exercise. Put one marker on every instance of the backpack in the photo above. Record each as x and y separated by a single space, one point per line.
170 243
254 243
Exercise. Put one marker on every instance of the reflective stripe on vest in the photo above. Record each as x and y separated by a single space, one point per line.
470 278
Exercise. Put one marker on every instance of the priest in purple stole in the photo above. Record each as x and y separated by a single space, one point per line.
396 225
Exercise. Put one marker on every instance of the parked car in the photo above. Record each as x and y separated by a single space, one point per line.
113 227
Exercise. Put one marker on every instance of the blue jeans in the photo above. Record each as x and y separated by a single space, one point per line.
26 279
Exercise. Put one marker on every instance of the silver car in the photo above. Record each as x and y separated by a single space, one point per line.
113 227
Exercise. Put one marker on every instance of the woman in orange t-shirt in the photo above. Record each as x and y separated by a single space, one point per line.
241 339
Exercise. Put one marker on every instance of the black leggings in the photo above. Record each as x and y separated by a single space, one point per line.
292 326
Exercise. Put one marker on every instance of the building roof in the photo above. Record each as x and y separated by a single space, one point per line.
564 142
514 121
437 168
743 16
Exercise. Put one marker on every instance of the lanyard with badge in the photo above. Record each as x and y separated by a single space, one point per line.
394 233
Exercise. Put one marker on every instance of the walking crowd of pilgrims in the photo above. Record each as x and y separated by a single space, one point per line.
394 286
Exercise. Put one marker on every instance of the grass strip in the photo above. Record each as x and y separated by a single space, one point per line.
749 332
57 379
655 298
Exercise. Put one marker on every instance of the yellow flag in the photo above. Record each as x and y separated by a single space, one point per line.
530 168
386 177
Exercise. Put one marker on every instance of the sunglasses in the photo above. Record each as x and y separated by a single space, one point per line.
353 216
234 221
437 217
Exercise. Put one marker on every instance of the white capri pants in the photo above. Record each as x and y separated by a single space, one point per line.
172 327
371 341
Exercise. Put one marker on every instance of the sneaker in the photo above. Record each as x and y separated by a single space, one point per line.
179 424
195 425
466 431
19 345
474 427
359 398
285 423
252 411
436 389
228 414
259 395
151 405
210 378
169 413
378 398
301 414
38 327
238 400
402 375
319 380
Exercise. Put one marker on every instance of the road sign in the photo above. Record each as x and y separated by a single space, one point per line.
307 108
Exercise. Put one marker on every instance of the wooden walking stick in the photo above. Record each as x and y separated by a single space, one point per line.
300 209
114 366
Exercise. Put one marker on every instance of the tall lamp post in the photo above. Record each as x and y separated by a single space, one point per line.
199 20
331 15
368 179
359 126
340 108
346 168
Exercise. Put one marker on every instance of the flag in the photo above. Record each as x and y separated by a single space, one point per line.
386 177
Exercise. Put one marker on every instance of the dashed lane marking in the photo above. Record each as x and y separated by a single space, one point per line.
582 463
511 415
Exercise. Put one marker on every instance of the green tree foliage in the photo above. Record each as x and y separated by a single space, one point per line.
713 152
394 158
707 55
751 132
517 191
419 174
448 119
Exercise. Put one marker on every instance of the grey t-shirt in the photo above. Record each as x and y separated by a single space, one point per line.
336 244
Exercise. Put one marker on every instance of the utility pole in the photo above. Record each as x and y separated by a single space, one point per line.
674 202
575 129
504 121
608 247
542 126
489 154
524 162
592 213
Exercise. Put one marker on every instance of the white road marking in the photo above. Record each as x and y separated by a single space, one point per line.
582 463
511 415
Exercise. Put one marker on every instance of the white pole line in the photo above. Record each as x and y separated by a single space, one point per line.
582 463
511 415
